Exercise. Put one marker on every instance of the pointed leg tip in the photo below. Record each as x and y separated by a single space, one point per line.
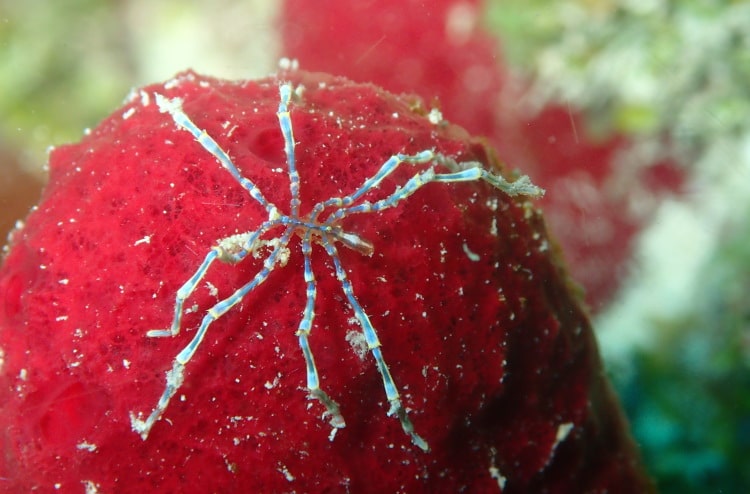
159 333
332 408
420 443
140 427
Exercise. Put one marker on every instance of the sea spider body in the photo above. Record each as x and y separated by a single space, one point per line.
326 230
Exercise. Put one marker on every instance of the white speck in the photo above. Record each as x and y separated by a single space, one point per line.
288 63
2 360
493 227
231 467
563 430
61 318
394 115
332 435
144 240
23 374
212 289
86 446
90 486
358 342
170 84
128 113
473 256
271 385
435 116
64 281
299 91
145 99
167 105
57 485
285 471
443 252
126 363
495 474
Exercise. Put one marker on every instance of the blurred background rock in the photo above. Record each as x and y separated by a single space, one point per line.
673 77
65 65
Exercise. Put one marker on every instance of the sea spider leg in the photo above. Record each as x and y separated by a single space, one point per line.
175 376
182 294
373 182
225 252
522 186
303 332
305 325
373 344
352 240
285 122
174 108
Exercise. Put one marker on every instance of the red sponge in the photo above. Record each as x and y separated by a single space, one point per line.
494 361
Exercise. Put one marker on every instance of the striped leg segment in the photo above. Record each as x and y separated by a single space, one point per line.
176 375
373 182
373 344
522 186
182 294
303 333
285 122
224 254
174 108
399 195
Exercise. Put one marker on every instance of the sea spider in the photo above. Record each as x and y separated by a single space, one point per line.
309 227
